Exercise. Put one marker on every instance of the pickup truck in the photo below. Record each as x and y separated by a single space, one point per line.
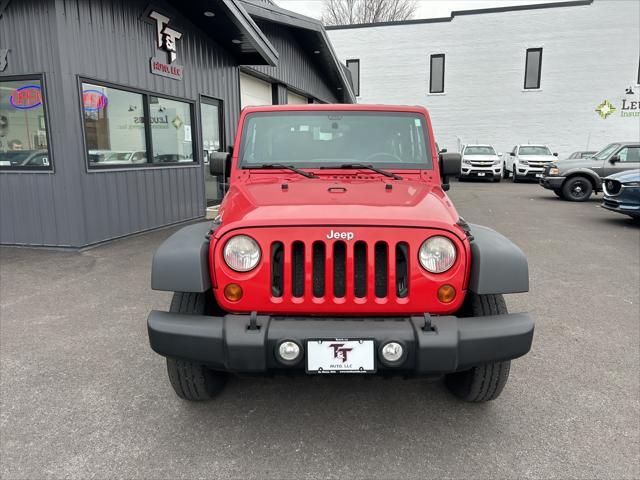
337 251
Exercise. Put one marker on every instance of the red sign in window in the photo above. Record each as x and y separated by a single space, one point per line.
94 100
29 96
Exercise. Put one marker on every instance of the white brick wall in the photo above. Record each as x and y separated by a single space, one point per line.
591 53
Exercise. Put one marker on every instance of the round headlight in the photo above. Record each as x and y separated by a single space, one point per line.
242 253
437 254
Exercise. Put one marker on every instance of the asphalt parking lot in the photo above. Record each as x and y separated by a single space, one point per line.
83 396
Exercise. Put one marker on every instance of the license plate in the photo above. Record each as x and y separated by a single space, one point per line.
341 356
481 174
538 175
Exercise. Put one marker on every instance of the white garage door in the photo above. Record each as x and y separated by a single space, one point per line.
254 91
295 99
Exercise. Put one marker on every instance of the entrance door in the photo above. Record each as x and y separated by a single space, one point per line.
212 141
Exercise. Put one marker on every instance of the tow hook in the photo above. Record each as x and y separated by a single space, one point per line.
253 322
427 327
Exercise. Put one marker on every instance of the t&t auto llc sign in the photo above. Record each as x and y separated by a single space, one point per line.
166 39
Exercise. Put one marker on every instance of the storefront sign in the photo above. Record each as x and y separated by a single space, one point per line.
94 100
158 67
24 98
166 36
4 53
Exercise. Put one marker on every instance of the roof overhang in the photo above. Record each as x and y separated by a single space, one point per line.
312 36
229 24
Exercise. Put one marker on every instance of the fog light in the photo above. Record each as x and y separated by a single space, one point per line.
392 352
446 293
289 351
233 292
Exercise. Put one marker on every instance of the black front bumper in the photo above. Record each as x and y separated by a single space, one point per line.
552 183
228 343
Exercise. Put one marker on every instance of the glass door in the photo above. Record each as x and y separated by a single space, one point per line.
212 141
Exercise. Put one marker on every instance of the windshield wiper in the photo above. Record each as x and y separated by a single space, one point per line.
286 167
369 167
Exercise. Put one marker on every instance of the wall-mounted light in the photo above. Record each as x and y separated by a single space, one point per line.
316 52
209 14
236 41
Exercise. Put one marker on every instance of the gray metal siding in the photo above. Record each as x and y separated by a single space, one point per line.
107 41
296 67
39 208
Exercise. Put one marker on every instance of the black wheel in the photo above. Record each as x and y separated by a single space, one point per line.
577 189
558 193
193 381
484 382
505 172
515 178
497 179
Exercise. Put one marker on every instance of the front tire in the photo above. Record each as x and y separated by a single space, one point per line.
484 382
577 189
190 380
505 172
558 192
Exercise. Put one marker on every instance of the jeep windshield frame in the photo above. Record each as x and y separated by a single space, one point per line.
332 138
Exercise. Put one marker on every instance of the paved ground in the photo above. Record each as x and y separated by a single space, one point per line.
83 396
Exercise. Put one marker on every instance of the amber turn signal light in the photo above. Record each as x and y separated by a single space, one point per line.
446 293
233 292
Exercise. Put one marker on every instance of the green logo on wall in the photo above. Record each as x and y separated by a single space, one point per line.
605 109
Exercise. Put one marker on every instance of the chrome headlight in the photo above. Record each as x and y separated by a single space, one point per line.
523 162
437 254
242 253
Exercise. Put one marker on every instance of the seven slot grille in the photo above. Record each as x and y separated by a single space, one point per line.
340 269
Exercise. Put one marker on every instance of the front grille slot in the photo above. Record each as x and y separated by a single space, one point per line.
297 269
339 269
277 269
360 269
319 268
402 270
381 273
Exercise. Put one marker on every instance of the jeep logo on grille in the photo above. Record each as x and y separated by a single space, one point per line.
340 235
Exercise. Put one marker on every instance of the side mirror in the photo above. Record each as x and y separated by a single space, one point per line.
555 154
499 154
220 162
444 150
512 154
614 159
450 164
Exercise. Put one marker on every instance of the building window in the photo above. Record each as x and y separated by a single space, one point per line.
436 74
533 68
23 125
354 68
171 135
124 128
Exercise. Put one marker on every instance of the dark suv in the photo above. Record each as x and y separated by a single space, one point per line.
576 180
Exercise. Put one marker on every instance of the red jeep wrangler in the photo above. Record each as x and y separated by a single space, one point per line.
336 250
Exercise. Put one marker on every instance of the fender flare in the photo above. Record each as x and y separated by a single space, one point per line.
497 264
585 172
181 263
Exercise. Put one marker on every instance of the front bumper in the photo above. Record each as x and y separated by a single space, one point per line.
552 183
480 172
229 344
615 204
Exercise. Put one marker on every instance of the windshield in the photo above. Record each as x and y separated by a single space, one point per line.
325 139
479 151
606 151
534 151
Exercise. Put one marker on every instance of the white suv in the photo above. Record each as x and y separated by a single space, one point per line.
528 162
480 161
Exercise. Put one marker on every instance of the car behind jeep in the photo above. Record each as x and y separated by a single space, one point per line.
337 251
576 180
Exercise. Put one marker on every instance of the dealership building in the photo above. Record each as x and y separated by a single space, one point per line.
109 108
566 74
